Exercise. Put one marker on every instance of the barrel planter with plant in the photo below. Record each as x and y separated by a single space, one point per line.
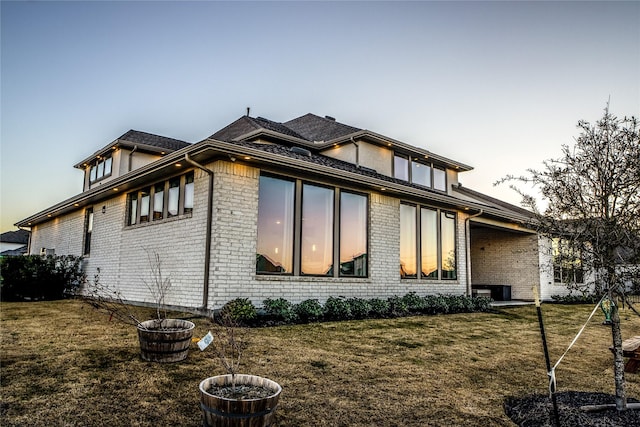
251 402
165 340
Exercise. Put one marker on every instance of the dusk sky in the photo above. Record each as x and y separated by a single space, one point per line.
499 86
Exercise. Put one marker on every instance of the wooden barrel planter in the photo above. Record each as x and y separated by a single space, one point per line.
226 412
165 340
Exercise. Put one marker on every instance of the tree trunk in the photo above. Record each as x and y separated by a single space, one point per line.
618 361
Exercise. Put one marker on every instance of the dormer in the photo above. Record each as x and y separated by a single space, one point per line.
130 151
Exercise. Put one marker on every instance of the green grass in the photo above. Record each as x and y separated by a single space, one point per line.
63 363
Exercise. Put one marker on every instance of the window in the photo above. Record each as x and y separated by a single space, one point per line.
101 169
88 229
567 262
275 226
353 235
432 234
401 167
418 171
166 199
308 229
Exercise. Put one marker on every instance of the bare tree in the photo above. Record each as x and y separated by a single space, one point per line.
593 208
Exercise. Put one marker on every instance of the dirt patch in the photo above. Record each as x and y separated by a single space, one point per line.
241 392
536 410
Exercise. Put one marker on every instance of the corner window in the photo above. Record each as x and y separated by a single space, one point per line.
166 199
431 233
308 229
439 179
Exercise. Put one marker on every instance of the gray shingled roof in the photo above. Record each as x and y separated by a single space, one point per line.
18 236
315 128
138 137
246 124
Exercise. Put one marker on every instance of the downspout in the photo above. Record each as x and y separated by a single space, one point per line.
357 153
207 245
135 148
467 242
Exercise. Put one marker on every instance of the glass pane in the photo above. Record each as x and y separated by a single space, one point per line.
133 208
90 221
448 241
439 179
144 205
174 197
317 230
353 235
401 168
275 226
107 166
92 173
188 193
408 259
429 243
100 170
421 174
158 201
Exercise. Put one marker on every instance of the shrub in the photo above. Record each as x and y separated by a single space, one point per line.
575 299
397 306
413 302
240 310
309 310
360 308
35 277
482 303
280 309
435 304
337 309
379 307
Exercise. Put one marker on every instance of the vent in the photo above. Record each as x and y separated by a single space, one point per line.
333 119
301 151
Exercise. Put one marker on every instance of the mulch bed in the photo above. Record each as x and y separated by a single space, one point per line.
537 411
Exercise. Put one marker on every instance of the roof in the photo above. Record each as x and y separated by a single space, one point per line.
491 201
249 125
314 128
18 236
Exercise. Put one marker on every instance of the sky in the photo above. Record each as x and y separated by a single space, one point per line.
499 86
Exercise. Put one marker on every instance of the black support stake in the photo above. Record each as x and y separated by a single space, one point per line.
552 386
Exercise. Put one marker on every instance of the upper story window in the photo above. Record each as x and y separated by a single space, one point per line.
101 169
311 234
166 199
419 172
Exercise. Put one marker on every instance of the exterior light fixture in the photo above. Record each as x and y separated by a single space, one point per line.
247 157
115 189
104 209
178 165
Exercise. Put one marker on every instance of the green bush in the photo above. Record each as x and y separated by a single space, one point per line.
414 303
309 310
435 304
482 303
36 278
379 307
397 306
575 299
337 309
240 310
459 303
280 310
360 308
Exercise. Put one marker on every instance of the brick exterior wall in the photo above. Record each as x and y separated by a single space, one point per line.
121 252
505 258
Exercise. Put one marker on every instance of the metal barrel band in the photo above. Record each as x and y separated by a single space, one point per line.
144 350
234 415
167 341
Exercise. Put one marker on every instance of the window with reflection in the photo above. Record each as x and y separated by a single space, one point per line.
145 204
408 264
439 179
429 243
448 242
353 234
317 230
173 197
188 193
167 199
158 201
401 167
420 174
275 226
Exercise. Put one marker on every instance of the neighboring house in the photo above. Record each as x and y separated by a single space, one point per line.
14 242
308 208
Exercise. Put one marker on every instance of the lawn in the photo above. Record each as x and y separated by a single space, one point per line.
64 363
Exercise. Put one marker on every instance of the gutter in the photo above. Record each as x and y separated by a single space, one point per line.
207 244
467 242
135 148
357 153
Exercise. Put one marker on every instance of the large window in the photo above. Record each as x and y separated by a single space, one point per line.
307 229
419 171
88 230
567 263
166 199
431 233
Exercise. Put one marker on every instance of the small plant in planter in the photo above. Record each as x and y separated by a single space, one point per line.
235 399
161 339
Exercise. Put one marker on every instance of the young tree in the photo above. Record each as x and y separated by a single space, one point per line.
592 194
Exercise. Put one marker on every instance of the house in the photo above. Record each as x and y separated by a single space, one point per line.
14 242
308 208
